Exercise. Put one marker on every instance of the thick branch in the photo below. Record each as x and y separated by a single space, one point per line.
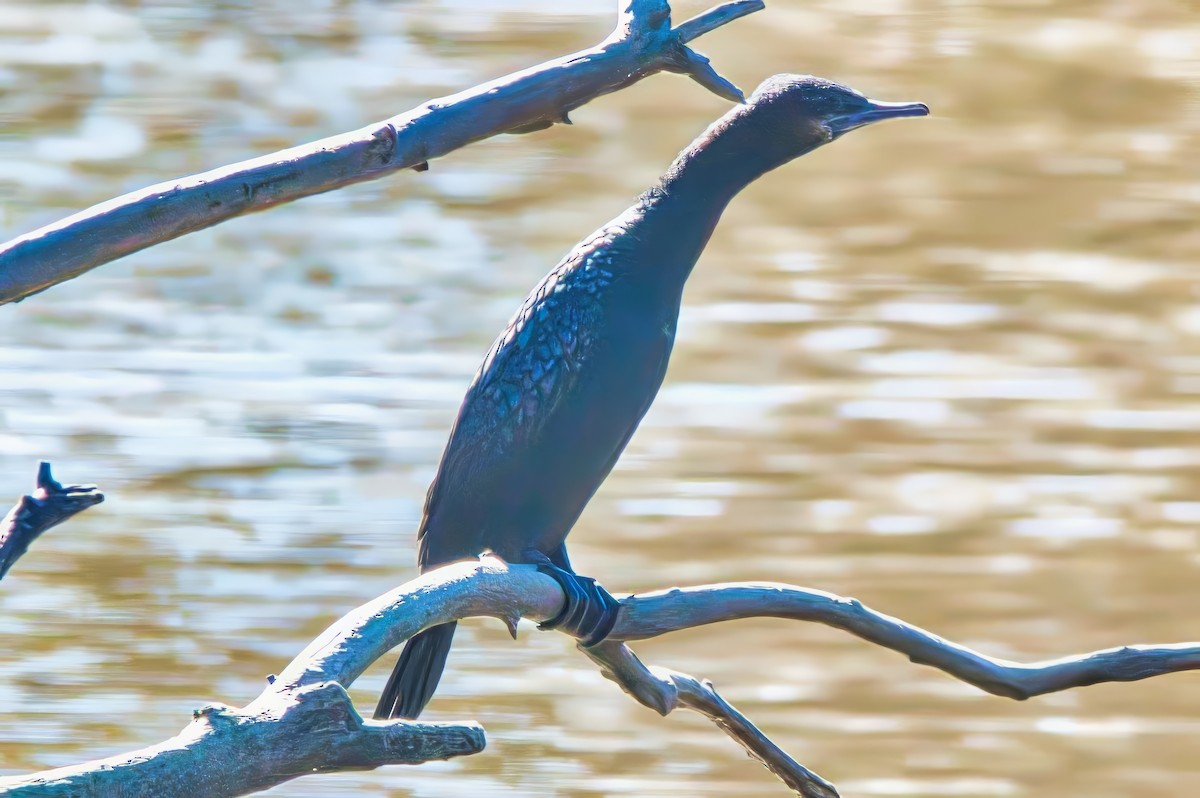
643 43
304 721
227 751
48 506
492 588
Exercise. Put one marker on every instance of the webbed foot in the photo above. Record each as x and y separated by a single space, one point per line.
590 611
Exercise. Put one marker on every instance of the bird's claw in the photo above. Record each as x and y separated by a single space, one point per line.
589 613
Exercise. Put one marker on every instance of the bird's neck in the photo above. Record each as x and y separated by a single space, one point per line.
683 210
731 154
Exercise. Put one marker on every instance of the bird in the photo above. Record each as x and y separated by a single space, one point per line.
565 385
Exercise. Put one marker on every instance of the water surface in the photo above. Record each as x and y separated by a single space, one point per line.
947 366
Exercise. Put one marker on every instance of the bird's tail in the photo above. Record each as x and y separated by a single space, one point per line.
416 674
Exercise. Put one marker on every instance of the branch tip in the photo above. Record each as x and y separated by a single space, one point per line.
699 69
714 18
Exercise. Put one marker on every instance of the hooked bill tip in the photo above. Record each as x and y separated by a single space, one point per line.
892 110
875 111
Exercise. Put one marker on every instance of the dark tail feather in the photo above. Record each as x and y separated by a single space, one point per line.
416 674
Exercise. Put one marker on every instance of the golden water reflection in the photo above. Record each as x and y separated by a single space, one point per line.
949 367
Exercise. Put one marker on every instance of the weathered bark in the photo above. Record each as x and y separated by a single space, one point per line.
227 751
642 44
303 721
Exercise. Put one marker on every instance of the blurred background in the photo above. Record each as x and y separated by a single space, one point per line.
950 367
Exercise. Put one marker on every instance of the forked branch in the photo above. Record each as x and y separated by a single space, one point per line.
642 44
48 506
198 761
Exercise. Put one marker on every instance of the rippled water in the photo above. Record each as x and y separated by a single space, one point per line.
949 367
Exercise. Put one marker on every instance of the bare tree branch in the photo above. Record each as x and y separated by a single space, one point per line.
303 721
48 506
653 614
642 44
663 690
227 751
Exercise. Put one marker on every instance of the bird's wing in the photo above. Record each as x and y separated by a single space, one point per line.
530 367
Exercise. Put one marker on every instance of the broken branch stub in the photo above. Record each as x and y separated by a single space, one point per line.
48 506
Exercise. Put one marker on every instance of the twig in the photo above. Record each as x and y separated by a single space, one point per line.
48 506
663 690
642 44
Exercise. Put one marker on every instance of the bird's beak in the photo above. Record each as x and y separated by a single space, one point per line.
875 111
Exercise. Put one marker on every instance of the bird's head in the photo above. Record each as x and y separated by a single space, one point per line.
786 117
817 111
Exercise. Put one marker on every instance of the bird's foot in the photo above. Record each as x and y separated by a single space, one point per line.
590 611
